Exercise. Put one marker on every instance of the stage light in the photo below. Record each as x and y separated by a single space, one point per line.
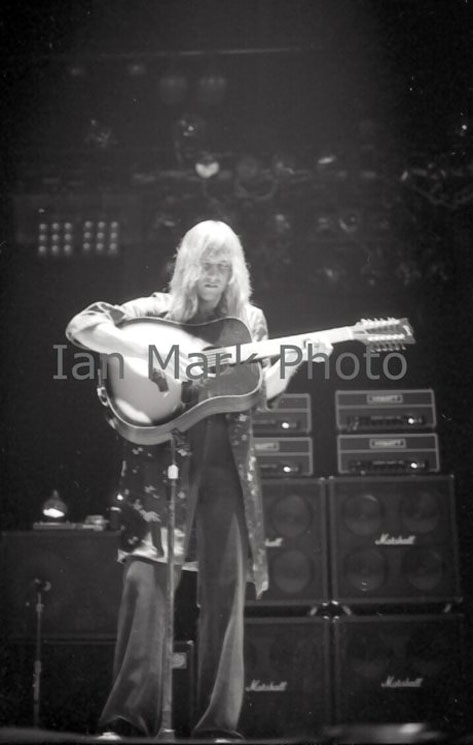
331 274
100 135
173 87
279 226
252 182
207 165
189 135
101 237
461 127
326 158
136 69
54 508
247 169
283 166
325 223
330 166
55 238
77 71
350 220
211 88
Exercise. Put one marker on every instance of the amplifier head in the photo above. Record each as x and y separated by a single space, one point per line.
282 457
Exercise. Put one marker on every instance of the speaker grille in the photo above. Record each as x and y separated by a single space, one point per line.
397 668
286 676
295 520
393 539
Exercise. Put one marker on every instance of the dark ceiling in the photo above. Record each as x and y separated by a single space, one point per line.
309 65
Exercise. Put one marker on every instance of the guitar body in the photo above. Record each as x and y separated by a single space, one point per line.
146 408
149 399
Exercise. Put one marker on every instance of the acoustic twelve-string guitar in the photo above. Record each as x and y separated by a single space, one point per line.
195 370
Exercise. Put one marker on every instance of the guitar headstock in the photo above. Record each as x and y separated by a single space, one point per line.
384 334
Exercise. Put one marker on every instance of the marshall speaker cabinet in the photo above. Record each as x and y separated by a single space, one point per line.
287 677
393 539
398 668
295 525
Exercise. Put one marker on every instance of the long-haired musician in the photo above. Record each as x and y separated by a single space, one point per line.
219 512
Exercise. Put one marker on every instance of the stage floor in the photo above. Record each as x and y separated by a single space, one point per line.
412 732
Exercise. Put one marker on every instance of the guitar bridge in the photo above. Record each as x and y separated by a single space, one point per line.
102 395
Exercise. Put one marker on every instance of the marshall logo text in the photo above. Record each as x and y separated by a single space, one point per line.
392 682
256 686
391 540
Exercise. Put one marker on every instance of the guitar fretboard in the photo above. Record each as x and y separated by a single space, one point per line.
272 347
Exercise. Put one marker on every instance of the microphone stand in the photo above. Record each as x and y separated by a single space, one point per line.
166 732
41 586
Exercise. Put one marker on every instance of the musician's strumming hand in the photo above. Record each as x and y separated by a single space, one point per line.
106 338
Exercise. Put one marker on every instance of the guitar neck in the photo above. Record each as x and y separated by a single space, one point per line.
272 347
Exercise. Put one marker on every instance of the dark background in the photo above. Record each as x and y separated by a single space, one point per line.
385 85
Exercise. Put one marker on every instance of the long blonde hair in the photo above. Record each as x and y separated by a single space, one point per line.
209 239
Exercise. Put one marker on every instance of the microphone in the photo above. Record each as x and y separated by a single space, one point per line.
42 584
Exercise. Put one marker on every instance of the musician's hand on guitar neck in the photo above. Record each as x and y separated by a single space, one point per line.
318 349
278 375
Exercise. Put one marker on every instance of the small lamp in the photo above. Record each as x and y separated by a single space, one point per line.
54 507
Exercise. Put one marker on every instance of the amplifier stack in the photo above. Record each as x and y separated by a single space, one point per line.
280 449
362 567
352 629
386 431
393 545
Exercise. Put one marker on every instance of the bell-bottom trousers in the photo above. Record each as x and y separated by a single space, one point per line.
222 552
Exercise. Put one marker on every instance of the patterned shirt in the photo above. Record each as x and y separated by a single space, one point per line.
143 480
